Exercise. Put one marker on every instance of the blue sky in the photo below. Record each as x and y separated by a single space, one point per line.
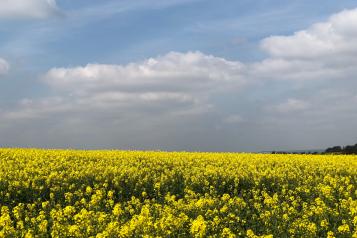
177 74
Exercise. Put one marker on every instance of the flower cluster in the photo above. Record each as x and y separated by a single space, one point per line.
65 193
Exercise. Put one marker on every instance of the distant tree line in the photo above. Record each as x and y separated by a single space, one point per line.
346 150
349 149
298 153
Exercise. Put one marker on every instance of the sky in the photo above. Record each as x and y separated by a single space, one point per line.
178 75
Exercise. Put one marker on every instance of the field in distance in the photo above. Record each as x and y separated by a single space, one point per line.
66 193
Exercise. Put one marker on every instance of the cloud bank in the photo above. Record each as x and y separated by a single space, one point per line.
27 8
176 83
180 72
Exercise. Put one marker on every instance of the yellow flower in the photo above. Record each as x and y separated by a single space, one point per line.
227 233
198 227
343 228
324 223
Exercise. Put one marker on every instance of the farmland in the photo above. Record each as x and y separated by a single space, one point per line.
68 193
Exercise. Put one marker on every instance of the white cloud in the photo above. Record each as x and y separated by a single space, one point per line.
176 83
174 71
291 105
4 66
324 51
27 8
335 37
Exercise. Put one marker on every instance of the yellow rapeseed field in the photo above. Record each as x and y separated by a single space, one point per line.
66 193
